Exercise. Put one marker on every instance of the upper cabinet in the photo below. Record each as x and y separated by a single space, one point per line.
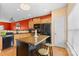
45 19
36 20
42 19
30 23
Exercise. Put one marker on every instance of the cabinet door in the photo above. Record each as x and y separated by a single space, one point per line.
46 20
0 43
30 24
36 20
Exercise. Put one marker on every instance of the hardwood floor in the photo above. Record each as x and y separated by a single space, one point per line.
58 51
8 52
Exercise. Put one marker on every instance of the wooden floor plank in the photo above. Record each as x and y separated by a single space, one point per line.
58 51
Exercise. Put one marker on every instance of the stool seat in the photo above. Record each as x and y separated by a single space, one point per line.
43 51
48 44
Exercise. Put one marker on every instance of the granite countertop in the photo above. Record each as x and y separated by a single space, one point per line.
34 40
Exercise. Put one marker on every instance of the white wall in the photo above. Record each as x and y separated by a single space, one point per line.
58 27
73 29
74 18
59 30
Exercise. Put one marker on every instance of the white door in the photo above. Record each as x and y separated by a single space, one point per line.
59 32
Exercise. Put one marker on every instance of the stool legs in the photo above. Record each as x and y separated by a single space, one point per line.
50 51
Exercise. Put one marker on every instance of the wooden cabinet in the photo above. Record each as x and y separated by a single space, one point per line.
30 24
1 43
46 19
36 20
22 49
39 20
42 19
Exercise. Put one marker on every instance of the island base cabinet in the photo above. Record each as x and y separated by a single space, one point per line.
22 49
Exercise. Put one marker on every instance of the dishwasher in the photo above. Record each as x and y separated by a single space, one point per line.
8 40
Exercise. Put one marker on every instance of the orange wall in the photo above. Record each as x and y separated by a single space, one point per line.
6 25
24 24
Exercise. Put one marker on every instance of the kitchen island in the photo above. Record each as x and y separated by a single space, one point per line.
28 38
26 42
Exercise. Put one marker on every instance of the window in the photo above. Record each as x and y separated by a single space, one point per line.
2 27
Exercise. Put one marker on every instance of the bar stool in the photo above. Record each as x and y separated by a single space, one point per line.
46 51
50 49
43 52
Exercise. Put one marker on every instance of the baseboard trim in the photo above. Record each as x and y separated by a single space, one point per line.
71 51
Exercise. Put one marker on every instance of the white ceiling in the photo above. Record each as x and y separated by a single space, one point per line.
9 10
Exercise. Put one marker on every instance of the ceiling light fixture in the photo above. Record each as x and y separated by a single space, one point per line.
24 6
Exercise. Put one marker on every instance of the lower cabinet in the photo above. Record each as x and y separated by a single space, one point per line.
22 49
6 42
